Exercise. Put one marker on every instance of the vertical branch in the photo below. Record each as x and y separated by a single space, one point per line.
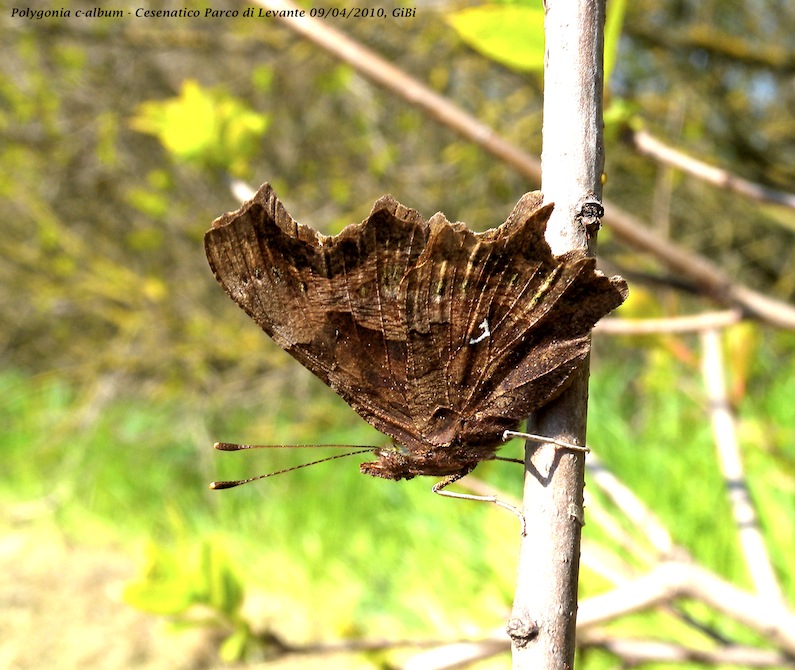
542 624
723 428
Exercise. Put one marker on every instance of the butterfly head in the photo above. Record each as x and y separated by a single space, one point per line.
391 464
399 463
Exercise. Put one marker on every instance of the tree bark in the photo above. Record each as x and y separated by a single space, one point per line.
542 624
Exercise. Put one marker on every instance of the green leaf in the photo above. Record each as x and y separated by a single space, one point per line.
509 34
234 647
513 33
614 23
262 78
225 591
618 114
185 125
167 599
179 577
202 126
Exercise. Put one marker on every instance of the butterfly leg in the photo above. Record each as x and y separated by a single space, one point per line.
439 488
510 434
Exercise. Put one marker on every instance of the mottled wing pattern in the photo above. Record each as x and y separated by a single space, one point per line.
331 302
496 324
434 334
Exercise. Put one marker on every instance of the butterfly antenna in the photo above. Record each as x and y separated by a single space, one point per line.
231 446
228 484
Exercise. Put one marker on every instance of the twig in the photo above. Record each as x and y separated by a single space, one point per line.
672 324
674 580
384 73
633 652
440 654
667 582
706 36
593 558
663 584
710 278
622 541
458 655
651 146
630 651
632 506
723 428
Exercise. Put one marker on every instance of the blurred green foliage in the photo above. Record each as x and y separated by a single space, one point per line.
195 584
103 228
326 553
208 129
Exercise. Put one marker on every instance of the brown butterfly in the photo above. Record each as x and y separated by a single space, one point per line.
439 337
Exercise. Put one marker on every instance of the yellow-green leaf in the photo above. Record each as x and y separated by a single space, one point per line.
158 598
614 23
203 126
509 34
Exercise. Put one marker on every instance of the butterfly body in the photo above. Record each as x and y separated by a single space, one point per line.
439 337
449 460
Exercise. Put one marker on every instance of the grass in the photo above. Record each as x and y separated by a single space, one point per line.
333 554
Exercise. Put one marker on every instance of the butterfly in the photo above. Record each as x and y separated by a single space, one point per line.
440 337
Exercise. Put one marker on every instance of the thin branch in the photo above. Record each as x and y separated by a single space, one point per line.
674 580
593 558
651 146
623 542
610 561
724 430
459 655
441 654
673 324
666 582
633 507
633 652
645 522
770 56
384 73
711 279
544 614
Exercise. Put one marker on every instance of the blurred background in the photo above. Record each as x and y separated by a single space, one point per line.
122 360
